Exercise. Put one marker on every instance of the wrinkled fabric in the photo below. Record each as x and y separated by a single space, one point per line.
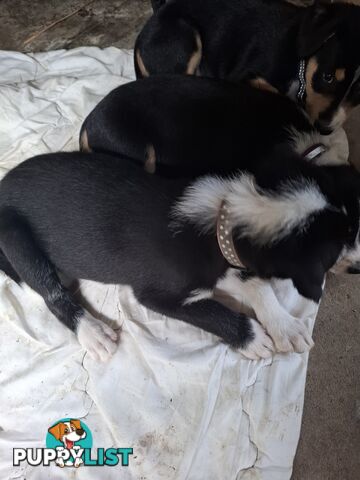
189 406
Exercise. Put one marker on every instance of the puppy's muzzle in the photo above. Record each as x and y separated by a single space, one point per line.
323 127
80 432
354 269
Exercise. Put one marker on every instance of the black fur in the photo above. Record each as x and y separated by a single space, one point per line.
156 4
195 125
103 218
246 39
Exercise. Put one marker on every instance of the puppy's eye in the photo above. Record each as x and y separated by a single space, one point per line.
328 77
66 430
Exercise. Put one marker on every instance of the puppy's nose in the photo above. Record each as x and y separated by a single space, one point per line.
80 431
354 269
324 128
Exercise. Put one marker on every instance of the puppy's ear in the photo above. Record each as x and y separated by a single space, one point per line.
76 423
55 431
318 25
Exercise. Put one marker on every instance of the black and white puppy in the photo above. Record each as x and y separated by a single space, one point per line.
189 126
310 54
92 216
177 125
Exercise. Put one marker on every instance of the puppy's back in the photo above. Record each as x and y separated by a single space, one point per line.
81 207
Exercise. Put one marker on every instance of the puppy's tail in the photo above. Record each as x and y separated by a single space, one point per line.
7 268
156 4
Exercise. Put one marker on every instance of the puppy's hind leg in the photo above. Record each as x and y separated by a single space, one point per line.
167 45
33 267
6 267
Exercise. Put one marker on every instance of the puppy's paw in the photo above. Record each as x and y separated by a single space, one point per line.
260 346
292 336
96 337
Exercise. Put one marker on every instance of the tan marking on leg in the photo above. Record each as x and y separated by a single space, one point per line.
340 74
150 162
141 65
195 58
262 84
84 142
316 103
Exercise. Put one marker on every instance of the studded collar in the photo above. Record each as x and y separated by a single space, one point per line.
302 81
225 238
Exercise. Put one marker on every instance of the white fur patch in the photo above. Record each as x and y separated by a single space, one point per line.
265 217
197 295
337 145
97 338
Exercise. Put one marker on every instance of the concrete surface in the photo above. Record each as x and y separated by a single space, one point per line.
329 447
70 23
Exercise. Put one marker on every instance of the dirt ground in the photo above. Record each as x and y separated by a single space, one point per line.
329 447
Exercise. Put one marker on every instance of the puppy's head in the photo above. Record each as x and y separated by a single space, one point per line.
329 41
68 432
301 226
291 219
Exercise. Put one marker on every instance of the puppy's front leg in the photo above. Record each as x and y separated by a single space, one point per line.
288 333
236 329
34 268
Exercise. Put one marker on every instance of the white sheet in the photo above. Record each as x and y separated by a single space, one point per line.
189 406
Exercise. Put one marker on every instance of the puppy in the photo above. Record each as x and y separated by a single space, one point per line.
308 54
176 241
68 433
176 125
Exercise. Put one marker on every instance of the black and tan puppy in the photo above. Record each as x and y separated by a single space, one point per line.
92 216
311 54
177 125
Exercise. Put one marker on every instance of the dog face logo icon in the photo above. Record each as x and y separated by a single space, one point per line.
68 433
